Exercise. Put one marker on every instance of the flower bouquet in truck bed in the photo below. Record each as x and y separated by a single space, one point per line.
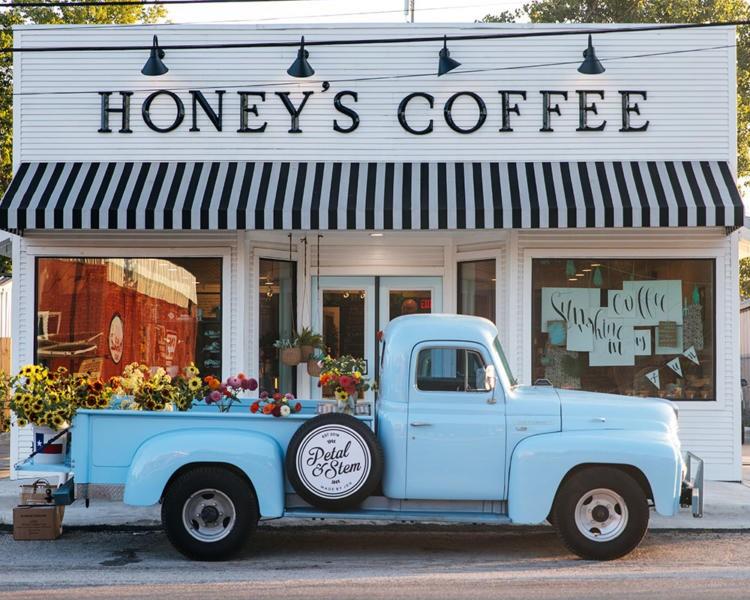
343 377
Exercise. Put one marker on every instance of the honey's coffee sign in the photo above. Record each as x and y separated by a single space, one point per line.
417 113
333 461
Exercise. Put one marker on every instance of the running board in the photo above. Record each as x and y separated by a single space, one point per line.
402 516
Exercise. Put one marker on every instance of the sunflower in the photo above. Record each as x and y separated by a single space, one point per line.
102 402
91 401
194 384
37 406
22 422
57 420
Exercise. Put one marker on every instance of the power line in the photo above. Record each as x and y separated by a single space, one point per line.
75 3
395 77
382 41
267 19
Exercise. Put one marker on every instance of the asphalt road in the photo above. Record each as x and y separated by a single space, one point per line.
375 562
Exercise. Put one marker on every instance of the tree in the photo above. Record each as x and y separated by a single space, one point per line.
98 15
744 278
657 11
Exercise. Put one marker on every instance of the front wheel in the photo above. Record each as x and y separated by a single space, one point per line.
601 513
209 513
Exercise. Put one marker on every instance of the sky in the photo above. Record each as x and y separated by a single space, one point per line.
339 11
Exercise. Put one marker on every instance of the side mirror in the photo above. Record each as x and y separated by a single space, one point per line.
490 377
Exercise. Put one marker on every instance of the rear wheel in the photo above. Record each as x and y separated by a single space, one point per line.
209 513
601 513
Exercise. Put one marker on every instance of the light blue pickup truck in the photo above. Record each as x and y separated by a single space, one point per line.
454 438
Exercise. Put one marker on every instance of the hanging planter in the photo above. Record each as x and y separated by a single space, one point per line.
289 352
308 341
314 366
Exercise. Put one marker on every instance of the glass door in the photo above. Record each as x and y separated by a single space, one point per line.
348 312
343 312
408 296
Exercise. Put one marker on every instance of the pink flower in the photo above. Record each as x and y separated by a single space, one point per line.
234 382
345 381
289 396
214 396
263 395
249 384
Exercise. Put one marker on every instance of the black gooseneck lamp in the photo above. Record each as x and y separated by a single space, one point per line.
590 64
300 67
154 65
446 63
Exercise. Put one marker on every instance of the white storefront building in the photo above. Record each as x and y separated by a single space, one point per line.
193 217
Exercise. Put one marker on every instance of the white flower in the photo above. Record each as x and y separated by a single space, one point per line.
285 410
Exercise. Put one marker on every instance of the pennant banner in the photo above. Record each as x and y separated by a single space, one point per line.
674 364
691 355
653 377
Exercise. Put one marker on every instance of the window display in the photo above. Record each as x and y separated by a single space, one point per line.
96 315
640 327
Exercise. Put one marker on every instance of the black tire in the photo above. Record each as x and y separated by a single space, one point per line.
632 503
230 536
320 481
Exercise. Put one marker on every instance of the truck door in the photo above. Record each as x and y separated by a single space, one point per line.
456 426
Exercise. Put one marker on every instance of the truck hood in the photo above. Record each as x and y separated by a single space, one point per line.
593 410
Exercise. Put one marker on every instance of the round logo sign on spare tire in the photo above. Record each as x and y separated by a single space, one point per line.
334 461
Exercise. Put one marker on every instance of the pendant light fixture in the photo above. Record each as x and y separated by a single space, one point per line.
300 67
154 65
590 64
446 63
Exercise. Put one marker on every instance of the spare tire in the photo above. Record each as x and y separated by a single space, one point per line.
334 461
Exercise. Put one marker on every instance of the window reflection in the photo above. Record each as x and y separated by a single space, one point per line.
96 315
278 307
476 288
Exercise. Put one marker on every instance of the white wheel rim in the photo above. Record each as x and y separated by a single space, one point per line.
601 515
209 515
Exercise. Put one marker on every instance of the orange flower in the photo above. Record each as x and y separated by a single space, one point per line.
268 409
213 383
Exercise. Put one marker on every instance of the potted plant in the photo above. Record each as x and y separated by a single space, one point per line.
344 376
48 400
308 341
289 351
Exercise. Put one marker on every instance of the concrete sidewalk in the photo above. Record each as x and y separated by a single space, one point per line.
727 506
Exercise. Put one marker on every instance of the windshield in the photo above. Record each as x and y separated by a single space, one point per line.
504 361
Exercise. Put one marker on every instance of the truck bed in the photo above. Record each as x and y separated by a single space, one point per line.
104 442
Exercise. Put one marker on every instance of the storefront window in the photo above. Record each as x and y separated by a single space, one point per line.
638 327
476 288
277 282
96 315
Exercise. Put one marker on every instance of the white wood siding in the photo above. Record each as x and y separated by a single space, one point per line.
690 102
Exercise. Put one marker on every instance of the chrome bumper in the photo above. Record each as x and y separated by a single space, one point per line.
692 484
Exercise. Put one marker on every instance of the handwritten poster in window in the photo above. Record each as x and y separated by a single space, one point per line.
571 305
614 344
645 303
642 342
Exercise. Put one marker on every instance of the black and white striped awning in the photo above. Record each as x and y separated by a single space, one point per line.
370 195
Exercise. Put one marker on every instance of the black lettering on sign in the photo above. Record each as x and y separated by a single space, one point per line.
106 109
199 98
246 109
402 113
294 111
349 112
146 111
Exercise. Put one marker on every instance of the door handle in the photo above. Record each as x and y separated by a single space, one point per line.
420 424
491 400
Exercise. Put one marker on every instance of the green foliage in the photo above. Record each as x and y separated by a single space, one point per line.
745 278
657 11
99 15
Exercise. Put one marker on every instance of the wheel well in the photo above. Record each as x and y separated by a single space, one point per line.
216 465
634 472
